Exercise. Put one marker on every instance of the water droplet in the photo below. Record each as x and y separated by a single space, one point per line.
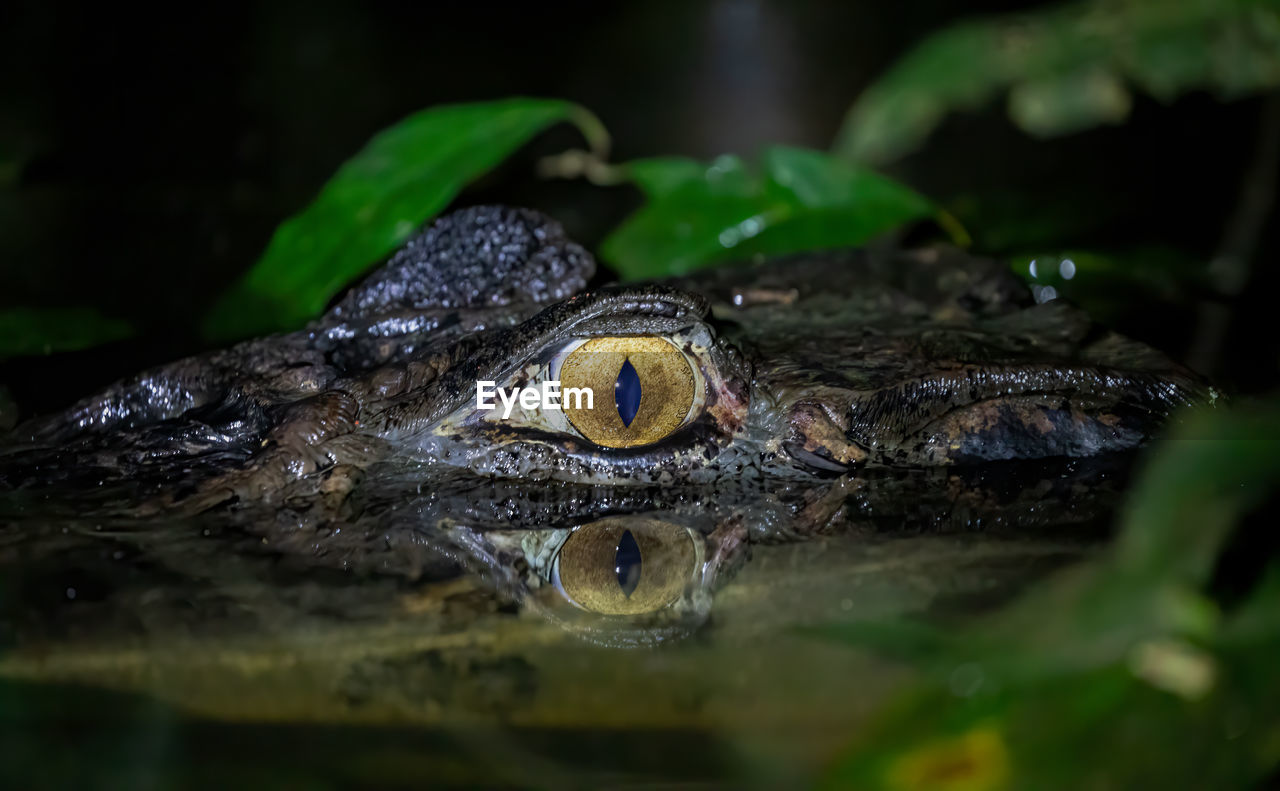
1067 269
626 393
627 563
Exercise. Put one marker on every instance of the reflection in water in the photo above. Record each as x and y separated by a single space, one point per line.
601 567
617 566
619 581
439 600
625 568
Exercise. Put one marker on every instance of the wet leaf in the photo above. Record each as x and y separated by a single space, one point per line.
791 200
1067 68
405 175
31 331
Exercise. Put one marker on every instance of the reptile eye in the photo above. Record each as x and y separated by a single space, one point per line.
625 566
643 389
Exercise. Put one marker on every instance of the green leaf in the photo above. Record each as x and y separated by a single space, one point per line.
31 331
1066 68
1212 470
1117 660
792 200
1195 487
405 175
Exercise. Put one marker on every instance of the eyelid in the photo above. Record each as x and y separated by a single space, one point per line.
557 362
557 359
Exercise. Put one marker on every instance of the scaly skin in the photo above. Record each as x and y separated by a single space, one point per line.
814 365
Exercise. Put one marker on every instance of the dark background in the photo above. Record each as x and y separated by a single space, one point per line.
146 155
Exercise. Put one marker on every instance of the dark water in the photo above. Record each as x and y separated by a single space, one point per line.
492 633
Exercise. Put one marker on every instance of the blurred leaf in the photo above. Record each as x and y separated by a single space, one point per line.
1101 729
1116 660
1259 617
1212 469
1069 103
1067 68
794 200
28 331
405 175
1215 466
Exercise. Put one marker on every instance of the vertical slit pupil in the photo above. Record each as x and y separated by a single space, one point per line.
626 393
627 563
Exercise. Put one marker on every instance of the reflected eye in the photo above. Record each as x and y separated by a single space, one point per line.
625 566
643 389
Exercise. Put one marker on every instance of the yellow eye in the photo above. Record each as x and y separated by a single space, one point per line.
625 566
642 388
